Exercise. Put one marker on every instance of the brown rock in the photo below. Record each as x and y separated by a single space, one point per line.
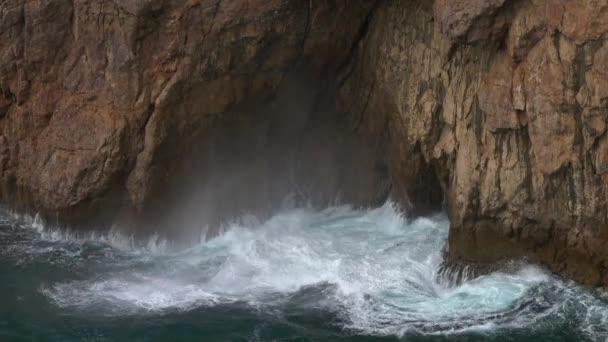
584 20
527 28
595 122
4 154
601 159
495 99
519 92
473 19
114 107
518 137
109 94
4 105
545 85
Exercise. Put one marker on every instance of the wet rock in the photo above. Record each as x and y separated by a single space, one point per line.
495 109
516 131
99 99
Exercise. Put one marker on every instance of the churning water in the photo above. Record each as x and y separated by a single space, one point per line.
303 275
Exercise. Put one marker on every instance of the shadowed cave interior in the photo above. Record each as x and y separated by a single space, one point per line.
292 148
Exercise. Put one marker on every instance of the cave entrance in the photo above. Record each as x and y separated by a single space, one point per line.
426 192
290 148
418 185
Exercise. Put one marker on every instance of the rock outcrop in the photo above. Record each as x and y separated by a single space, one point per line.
507 102
498 108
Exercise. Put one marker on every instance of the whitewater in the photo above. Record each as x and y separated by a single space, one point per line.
369 272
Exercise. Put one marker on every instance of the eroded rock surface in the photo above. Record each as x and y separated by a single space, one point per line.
99 99
499 106
507 100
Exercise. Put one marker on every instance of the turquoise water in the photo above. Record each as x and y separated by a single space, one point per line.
333 275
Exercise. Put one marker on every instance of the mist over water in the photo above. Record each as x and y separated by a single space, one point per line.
304 274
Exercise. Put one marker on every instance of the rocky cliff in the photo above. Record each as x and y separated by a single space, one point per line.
103 103
506 101
498 108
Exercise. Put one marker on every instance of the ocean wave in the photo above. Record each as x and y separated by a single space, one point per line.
379 272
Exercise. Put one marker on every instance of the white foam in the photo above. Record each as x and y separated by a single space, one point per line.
114 237
376 270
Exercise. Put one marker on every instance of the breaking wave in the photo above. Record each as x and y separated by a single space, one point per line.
378 272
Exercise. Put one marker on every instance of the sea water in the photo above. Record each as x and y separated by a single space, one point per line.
337 274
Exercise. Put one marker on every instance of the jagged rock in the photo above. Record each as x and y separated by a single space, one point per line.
526 29
500 107
516 133
108 94
495 96
470 19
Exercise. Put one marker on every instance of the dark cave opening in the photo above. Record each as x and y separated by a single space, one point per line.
293 149
418 186
426 191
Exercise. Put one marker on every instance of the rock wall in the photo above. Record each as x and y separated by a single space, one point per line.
100 99
507 102
497 108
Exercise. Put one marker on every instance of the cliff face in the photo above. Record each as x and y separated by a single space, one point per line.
507 102
499 106
100 100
